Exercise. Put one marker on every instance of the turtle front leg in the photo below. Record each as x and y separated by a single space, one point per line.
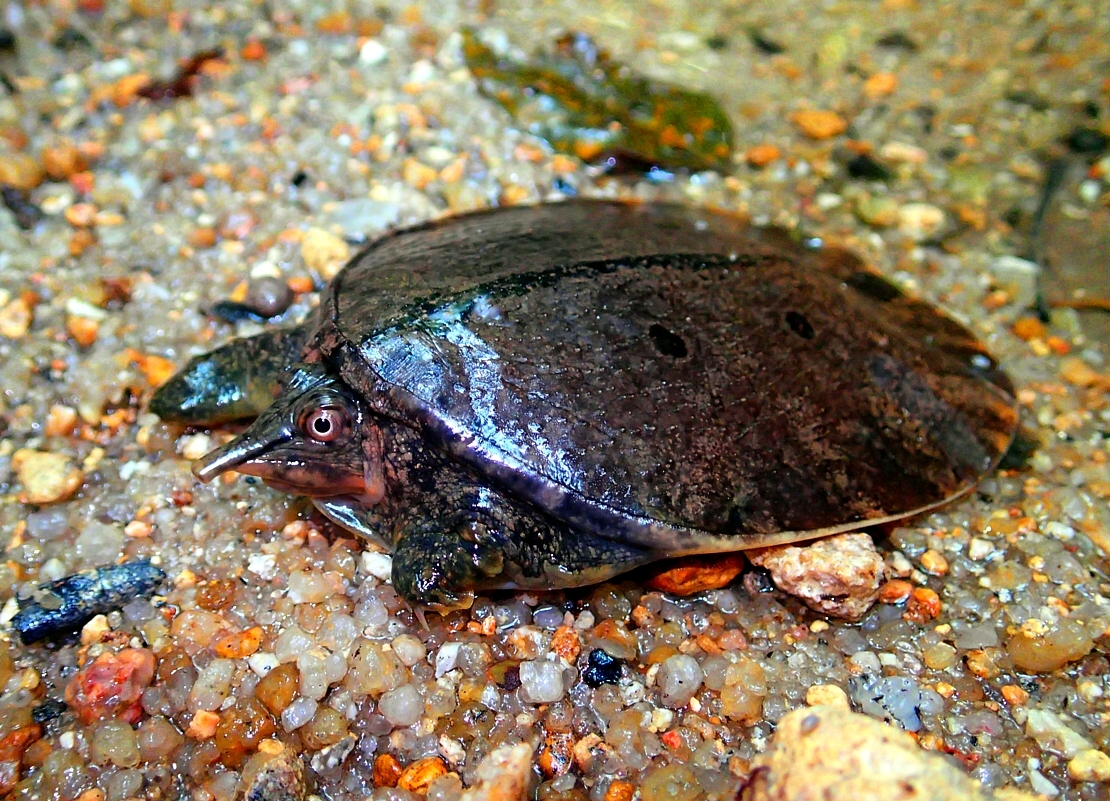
457 543
236 381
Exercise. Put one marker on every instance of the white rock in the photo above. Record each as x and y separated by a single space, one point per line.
679 678
1053 734
903 153
1061 531
10 610
422 71
291 643
504 775
1020 274
661 720
447 658
212 685
313 674
338 632
82 308
920 221
372 52
263 565
979 549
541 681
298 713
379 565
866 662
262 662
1090 691
194 446
1041 785
408 649
451 750
308 586
403 706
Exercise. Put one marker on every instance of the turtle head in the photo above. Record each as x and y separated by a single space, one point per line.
308 442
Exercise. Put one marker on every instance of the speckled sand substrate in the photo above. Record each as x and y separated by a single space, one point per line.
366 118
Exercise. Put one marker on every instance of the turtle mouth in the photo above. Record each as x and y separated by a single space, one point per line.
333 491
283 472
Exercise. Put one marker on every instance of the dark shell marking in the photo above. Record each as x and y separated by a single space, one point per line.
655 373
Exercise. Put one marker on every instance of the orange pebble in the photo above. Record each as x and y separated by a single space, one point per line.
762 155
239 645
880 84
253 50
1028 328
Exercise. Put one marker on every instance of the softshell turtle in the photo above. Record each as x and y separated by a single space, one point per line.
547 396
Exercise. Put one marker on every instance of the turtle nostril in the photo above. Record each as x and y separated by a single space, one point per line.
667 342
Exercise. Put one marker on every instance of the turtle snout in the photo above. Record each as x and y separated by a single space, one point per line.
235 455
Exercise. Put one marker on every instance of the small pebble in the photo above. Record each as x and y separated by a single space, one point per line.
979 549
409 649
680 677
275 773
372 53
194 446
939 656
880 85
903 153
298 713
920 221
20 171
114 742
819 124
324 252
447 658
1089 766
403 706
377 564
309 587
15 319
1053 734
674 782
601 668
203 725
268 297
46 477
934 563
62 160
541 681
762 155
877 211
827 695
418 776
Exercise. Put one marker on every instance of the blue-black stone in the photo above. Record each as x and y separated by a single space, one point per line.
601 668
69 603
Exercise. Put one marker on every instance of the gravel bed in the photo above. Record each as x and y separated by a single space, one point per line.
915 134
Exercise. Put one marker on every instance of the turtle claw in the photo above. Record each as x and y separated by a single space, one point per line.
465 600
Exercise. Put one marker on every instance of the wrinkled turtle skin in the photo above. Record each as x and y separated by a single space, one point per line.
547 396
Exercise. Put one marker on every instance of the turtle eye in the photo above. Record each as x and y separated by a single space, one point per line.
326 424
